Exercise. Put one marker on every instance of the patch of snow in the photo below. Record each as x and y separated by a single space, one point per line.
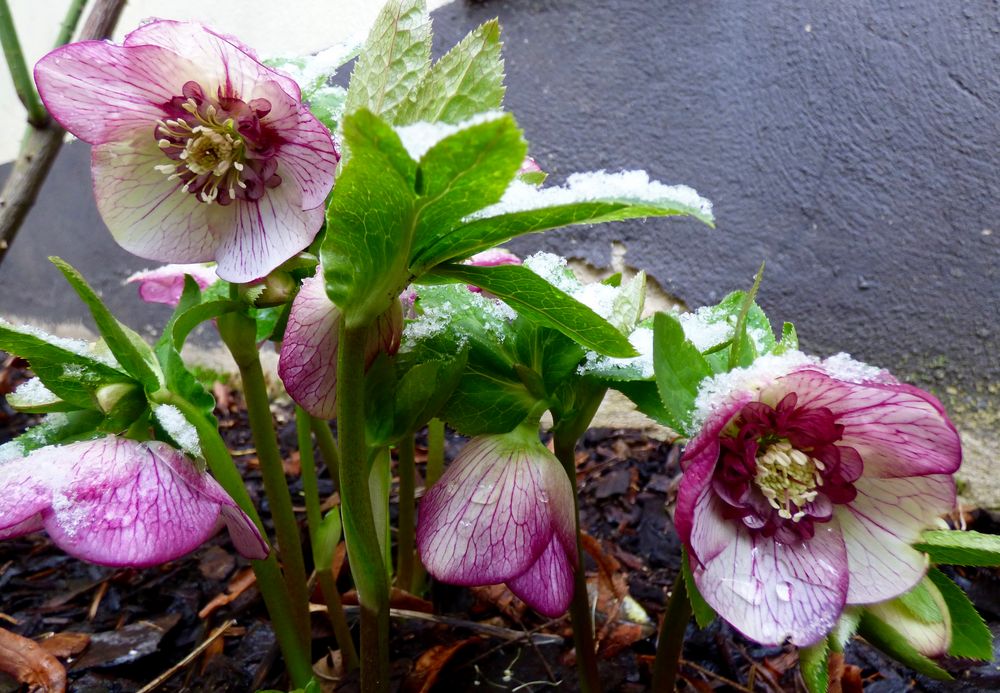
641 340
842 367
11 451
179 428
76 346
552 268
31 393
418 138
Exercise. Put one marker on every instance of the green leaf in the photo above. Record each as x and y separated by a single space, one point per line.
921 604
846 626
55 428
186 316
131 351
32 397
679 368
893 643
423 391
325 539
646 397
743 351
369 222
970 637
536 299
327 104
185 322
955 547
813 662
393 62
466 81
530 210
789 339
703 613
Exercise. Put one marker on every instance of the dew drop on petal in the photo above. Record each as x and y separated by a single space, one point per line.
464 528
482 494
543 496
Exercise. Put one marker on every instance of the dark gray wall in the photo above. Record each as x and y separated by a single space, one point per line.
851 144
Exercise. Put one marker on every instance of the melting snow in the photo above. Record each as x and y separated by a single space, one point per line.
11 451
76 346
31 393
420 137
179 428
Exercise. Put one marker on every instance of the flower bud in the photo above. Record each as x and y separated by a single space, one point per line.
275 289
110 395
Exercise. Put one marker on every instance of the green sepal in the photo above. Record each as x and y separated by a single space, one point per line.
679 370
921 604
886 638
970 636
814 665
325 540
957 547
703 613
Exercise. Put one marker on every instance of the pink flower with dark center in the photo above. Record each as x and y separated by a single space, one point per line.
307 364
166 284
200 151
119 502
503 512
805 489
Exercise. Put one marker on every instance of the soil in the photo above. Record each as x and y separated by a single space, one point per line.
139 624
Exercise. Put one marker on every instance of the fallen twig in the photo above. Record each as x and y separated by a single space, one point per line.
165 676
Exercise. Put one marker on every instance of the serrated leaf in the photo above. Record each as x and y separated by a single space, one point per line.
956 547
646 397
813 663
534 298
789 339
845 628
466 81
970 636
703 613
743 351
394 60
135 356
679 370
423 391
893 643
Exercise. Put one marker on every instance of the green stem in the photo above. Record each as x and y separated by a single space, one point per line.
435 451
19 70
407 503
269 579
671 640
363 547
69 22
327 448
314 516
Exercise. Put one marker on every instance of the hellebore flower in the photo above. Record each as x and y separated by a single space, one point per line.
166 284
119 502
200 151
503 512
805 489
307 364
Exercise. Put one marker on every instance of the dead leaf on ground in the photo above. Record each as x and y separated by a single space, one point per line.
112 648
216 563
502 599
329 671
31 664
430 664
844 678
66 644
241 582
292 464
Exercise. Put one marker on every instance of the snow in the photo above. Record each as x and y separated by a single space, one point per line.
641 340
492 313
702 330
629 186
418 138
11 451
31 393
179 428
552 268
842 367
76 346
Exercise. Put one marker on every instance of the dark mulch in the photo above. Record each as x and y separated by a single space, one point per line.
142 622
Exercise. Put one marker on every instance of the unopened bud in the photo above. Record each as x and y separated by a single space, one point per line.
275 289
110 395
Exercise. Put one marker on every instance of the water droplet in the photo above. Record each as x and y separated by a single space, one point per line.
482 494
543 496
784 591
748 590
464 528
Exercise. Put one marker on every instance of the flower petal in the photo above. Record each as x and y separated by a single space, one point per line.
547 586
147 214
486 520
101 92
899 430
222 58
25 495
256 237
307 364
306 154
879 526
166 284
769 591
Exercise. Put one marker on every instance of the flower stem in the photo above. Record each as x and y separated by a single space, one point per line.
23 84
671 640
314 516
238 332
363 547
269 579
435 451
69 22
407 503
327 448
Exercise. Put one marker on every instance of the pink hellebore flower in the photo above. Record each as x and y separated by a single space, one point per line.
166 284
503 512
200 151
806 488
119 502
307 364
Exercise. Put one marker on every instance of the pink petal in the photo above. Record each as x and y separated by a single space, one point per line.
25 495
223 59
899 430
547 586
166 284
101 92
879 526
307 364
147 214
488 519
256 237
768 591
493 257
306 155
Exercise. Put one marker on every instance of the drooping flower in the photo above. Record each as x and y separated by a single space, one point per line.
166 284
307 364
503 512
200 151
119 502
805 489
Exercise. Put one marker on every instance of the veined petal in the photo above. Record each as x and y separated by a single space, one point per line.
101 92
547 586
899 430
307 364
306 154
224 60
772 592
487 520
147 214
166 284
25 495
256 237
879 527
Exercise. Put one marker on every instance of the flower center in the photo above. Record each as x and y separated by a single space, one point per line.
788 479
